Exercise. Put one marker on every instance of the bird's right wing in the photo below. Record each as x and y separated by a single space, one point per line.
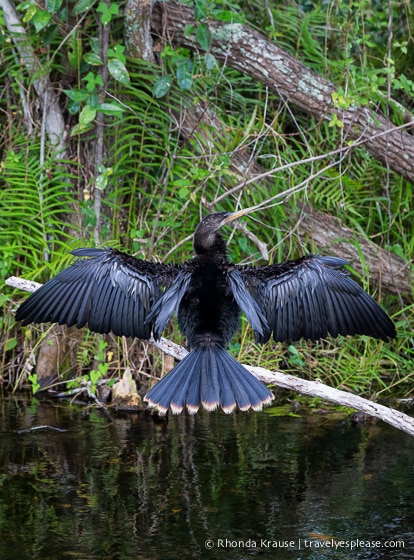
109 291
313 297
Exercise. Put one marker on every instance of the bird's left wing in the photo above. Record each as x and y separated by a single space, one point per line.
109 291
313 297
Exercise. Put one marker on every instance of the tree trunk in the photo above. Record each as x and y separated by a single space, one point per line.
385 269
137 29
246 50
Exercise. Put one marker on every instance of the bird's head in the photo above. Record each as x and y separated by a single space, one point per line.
207 238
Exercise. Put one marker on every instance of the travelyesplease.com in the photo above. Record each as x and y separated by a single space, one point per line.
300 544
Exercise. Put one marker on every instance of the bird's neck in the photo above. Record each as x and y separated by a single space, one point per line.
212 245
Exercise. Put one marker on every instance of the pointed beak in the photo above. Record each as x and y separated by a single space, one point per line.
234 215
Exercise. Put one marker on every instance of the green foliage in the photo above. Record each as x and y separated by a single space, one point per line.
96 374
32 378
107 11
35 208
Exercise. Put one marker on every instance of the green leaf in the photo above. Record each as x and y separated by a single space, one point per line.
227 16
200 9
92 80
32 377
101 182
92 59
117 52
40 19
53 6
80 129
76 94
87 115
162 86
203 36
31 10
73 107
189 29
243 243
335 122
211 61
82 6
10 344
95 45
23 6
111 109
184 75
74 51
182 183
183 193
50 34
118 71
93 99
107 11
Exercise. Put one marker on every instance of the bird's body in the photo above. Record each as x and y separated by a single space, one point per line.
208 308
310 298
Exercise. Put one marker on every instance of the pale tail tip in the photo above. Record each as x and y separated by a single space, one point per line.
162 410
265 402
176 408
209 406
192 409
229 409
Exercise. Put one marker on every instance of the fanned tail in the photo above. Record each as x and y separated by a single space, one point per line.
208 375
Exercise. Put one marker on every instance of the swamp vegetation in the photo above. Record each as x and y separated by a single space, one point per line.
122 128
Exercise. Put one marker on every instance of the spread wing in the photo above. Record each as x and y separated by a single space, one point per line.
313 297
109 291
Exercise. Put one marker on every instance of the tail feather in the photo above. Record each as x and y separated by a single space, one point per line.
211 377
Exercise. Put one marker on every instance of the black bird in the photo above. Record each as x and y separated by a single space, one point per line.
311 297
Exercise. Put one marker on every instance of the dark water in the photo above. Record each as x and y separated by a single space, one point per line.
247 485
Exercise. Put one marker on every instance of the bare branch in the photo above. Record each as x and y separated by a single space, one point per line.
391 416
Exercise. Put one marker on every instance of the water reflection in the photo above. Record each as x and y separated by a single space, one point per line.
244 483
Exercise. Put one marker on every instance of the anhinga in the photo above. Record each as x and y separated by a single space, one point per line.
310 298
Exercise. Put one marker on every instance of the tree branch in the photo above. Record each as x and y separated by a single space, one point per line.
386 270
397 419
